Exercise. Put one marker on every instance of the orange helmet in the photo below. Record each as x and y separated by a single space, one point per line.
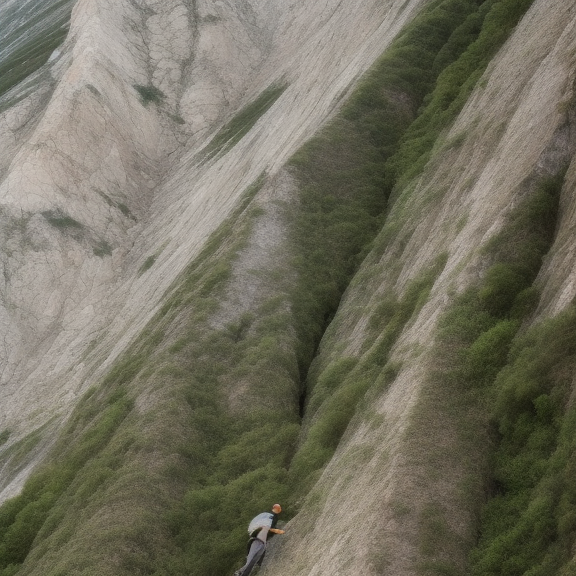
276 508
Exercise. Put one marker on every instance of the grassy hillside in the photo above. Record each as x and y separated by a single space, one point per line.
478 338
211 416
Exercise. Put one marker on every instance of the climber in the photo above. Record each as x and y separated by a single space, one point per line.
260 529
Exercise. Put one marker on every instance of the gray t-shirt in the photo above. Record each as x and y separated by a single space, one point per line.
263 520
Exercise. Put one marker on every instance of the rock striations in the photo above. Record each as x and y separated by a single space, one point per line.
123 160
101 172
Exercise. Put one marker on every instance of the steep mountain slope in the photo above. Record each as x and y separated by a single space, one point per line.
423 442
106 177
203 315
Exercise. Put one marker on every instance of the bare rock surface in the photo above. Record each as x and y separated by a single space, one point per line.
104 198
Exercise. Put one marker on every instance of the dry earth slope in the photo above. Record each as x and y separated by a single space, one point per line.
101 174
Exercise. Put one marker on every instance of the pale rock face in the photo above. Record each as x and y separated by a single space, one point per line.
93 151
515 124
95 181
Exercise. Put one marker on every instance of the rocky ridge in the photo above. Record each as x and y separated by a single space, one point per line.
98 174
126 161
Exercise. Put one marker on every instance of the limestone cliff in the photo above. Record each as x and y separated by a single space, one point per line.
101 171
316 252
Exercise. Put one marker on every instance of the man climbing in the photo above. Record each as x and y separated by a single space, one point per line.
260 529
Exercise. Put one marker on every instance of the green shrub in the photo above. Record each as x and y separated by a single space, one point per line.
232 132
4 436
489 352
149 94
501 286
329 380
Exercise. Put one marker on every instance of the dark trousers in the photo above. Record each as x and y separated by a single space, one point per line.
255 556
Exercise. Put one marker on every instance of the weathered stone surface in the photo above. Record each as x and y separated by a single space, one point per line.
105 174
518 122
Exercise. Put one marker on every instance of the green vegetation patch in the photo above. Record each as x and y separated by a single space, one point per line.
207 457
102 249
149 94
60 220
460 64
485 319
477 337
126 211
148 263
23 517
529 524
14 457
232 132
4 436
344 170
342 386
240 452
